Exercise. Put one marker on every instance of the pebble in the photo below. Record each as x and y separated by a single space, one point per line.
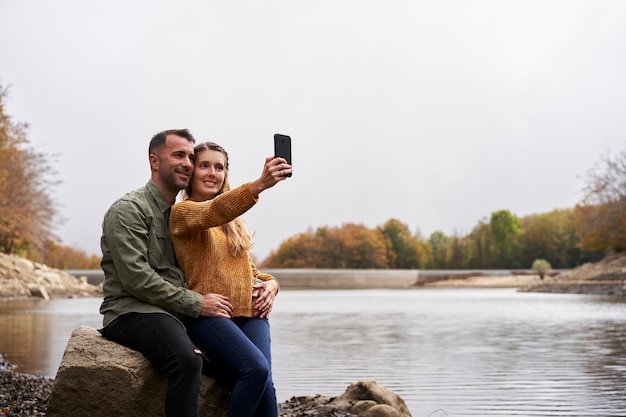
22 394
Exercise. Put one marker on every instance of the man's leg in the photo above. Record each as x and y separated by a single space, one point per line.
162 339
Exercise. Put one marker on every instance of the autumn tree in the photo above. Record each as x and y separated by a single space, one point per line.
405 250
360 247
601 216
351 246
300 251
27 212
459 252
60 256
553 236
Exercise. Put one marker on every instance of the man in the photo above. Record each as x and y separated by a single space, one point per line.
144 290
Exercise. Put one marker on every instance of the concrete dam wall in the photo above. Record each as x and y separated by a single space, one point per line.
347 278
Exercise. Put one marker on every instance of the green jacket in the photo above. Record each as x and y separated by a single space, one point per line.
140 272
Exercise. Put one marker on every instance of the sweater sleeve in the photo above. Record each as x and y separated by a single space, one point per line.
189 216
262 275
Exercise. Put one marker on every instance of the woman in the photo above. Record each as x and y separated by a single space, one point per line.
216 261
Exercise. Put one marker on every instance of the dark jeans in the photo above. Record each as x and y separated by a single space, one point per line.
240 356
162 339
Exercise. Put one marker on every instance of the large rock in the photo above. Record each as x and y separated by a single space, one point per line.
100 378
363 399
369 399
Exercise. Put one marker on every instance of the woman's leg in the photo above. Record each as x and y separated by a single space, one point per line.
258 331
162 339
223 341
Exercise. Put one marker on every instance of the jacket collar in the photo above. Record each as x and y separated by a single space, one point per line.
158 196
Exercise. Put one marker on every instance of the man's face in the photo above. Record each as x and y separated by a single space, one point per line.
174 163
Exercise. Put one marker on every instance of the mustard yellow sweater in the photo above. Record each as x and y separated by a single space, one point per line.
202 251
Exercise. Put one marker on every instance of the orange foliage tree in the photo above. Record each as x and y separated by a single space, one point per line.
27 212
300 251
65 257
601 216
351 246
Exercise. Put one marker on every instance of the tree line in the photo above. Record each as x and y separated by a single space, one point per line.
504 241
562 238
565 238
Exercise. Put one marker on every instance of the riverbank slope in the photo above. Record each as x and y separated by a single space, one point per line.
606 277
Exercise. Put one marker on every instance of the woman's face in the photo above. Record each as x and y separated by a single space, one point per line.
208 176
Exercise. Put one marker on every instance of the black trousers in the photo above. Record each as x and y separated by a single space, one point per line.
164 341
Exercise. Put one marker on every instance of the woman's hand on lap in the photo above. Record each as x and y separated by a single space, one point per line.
265 293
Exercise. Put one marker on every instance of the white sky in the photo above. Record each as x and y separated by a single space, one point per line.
436 113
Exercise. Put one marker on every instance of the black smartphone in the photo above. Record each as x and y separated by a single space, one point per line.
282 147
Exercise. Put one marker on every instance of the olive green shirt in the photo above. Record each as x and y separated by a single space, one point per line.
140 272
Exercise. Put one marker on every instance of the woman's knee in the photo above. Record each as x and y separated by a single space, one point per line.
259 370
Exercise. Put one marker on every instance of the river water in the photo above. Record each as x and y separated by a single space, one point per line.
446 352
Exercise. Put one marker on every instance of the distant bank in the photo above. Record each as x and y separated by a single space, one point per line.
356 278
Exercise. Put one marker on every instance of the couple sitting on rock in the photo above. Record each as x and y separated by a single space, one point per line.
176 299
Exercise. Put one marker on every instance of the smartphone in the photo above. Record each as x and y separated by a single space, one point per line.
282 147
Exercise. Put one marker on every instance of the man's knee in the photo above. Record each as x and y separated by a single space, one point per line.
190 361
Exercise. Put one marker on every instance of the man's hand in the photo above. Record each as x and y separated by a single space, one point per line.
216 305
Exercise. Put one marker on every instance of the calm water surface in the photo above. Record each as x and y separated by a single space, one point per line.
446 352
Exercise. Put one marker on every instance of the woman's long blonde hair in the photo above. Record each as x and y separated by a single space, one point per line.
237 235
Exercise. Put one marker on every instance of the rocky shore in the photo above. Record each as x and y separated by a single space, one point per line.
28 395
24 395
21 279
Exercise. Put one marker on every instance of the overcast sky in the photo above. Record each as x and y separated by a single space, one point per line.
436 113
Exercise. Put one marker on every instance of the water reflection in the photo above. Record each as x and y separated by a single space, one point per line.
465 352
35 333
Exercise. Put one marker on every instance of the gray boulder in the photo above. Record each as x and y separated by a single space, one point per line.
100 378
364 398
370 399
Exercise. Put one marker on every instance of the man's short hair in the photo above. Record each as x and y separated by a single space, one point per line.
158 140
